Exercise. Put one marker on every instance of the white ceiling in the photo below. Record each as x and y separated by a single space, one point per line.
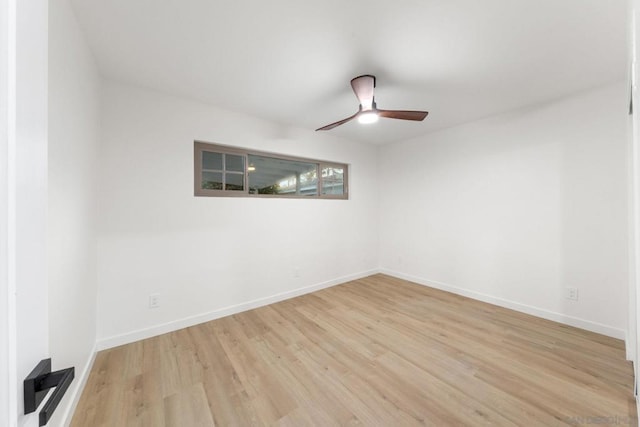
290 61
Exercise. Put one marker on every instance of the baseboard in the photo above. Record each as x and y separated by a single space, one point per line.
164 328
77 393
523 308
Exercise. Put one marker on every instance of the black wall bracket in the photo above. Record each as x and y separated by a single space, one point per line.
37 385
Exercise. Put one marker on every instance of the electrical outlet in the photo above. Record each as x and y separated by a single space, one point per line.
296 272
154 301
572 294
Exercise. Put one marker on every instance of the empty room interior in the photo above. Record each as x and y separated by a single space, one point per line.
320 213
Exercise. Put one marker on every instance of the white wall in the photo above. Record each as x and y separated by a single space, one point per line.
634 190
211 256
73 146
515 208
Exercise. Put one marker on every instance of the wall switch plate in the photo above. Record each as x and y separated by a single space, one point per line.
572 294
154 301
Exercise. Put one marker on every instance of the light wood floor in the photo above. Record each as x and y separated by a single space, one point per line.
378 352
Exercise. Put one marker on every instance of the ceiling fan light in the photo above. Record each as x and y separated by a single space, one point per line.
368 117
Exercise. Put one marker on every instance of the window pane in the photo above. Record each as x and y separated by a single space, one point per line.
332 180
211 160
309 182
234 163
268 175
235 181
211 180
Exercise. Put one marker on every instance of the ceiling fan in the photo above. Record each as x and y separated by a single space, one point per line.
368 112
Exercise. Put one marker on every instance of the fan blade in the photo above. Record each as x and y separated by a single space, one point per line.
363 88
336 124
403 115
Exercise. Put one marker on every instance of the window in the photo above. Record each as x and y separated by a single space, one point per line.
222 171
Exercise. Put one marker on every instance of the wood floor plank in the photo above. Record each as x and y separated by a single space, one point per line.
375 351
